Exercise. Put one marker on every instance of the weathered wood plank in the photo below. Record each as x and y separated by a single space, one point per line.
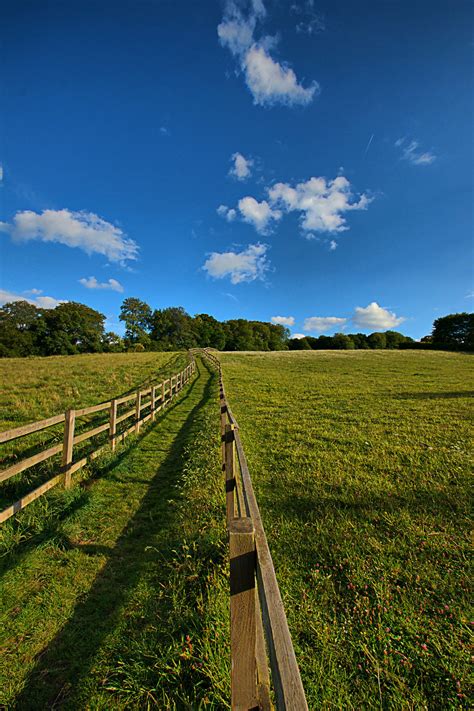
68 446
229 472
113 424
91 433
30 462
242 615
25 500
28 429
93 408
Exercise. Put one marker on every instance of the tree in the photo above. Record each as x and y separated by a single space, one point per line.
209 332
342 342
112 342
71 328
172 329
298 344
377 340
136 315
454 332
18 329
394 339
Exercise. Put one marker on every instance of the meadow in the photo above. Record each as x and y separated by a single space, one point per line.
114 593
360 462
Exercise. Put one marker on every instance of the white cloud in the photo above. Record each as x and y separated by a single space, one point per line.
34 292
273 83
258 214
411 153
298 335
323 323
227 212
242 166
42 302
92 283
248 265
164 131
332 245
83 230
1 173
322 203
283 320
375 317
269 81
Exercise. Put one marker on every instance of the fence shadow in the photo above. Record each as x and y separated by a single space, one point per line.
100 469
68 658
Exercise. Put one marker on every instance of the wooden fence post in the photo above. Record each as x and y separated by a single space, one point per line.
113 424
153 392
137 412
68 445
163 395
229 450
242 615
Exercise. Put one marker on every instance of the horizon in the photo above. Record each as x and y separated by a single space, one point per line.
301 164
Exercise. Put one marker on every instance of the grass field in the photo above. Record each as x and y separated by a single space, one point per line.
360 464
120 599
36 388
114 594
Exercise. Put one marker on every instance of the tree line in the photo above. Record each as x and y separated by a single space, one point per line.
71 328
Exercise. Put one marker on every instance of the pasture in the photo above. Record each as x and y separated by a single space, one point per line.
115 592
360 462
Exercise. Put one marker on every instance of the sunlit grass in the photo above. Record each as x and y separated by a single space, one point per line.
361 463
121 601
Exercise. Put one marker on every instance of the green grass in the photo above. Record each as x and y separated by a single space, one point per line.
120 600
360 461
36 388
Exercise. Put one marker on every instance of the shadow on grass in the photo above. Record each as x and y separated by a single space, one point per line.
68 658
434 396
100 470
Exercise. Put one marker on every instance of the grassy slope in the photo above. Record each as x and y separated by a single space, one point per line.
360 462
35 388
120 601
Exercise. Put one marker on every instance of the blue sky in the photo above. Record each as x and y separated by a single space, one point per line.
304 160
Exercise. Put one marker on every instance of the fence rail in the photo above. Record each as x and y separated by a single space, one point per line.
160 394
260 638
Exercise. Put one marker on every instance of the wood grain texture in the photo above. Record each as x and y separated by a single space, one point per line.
242 615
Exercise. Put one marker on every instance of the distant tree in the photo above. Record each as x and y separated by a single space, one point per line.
136 315
298 344
71 328
18 329
393 339
172 329
112 342
279 336
454 332
377 340
341 341
239 335
209 332
360 340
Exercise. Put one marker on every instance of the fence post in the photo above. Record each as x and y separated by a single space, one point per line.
163 395
137 412
113 423
229 438
153 391
242 615
68 445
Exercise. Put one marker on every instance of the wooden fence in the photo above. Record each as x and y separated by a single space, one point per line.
260 638
158 395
